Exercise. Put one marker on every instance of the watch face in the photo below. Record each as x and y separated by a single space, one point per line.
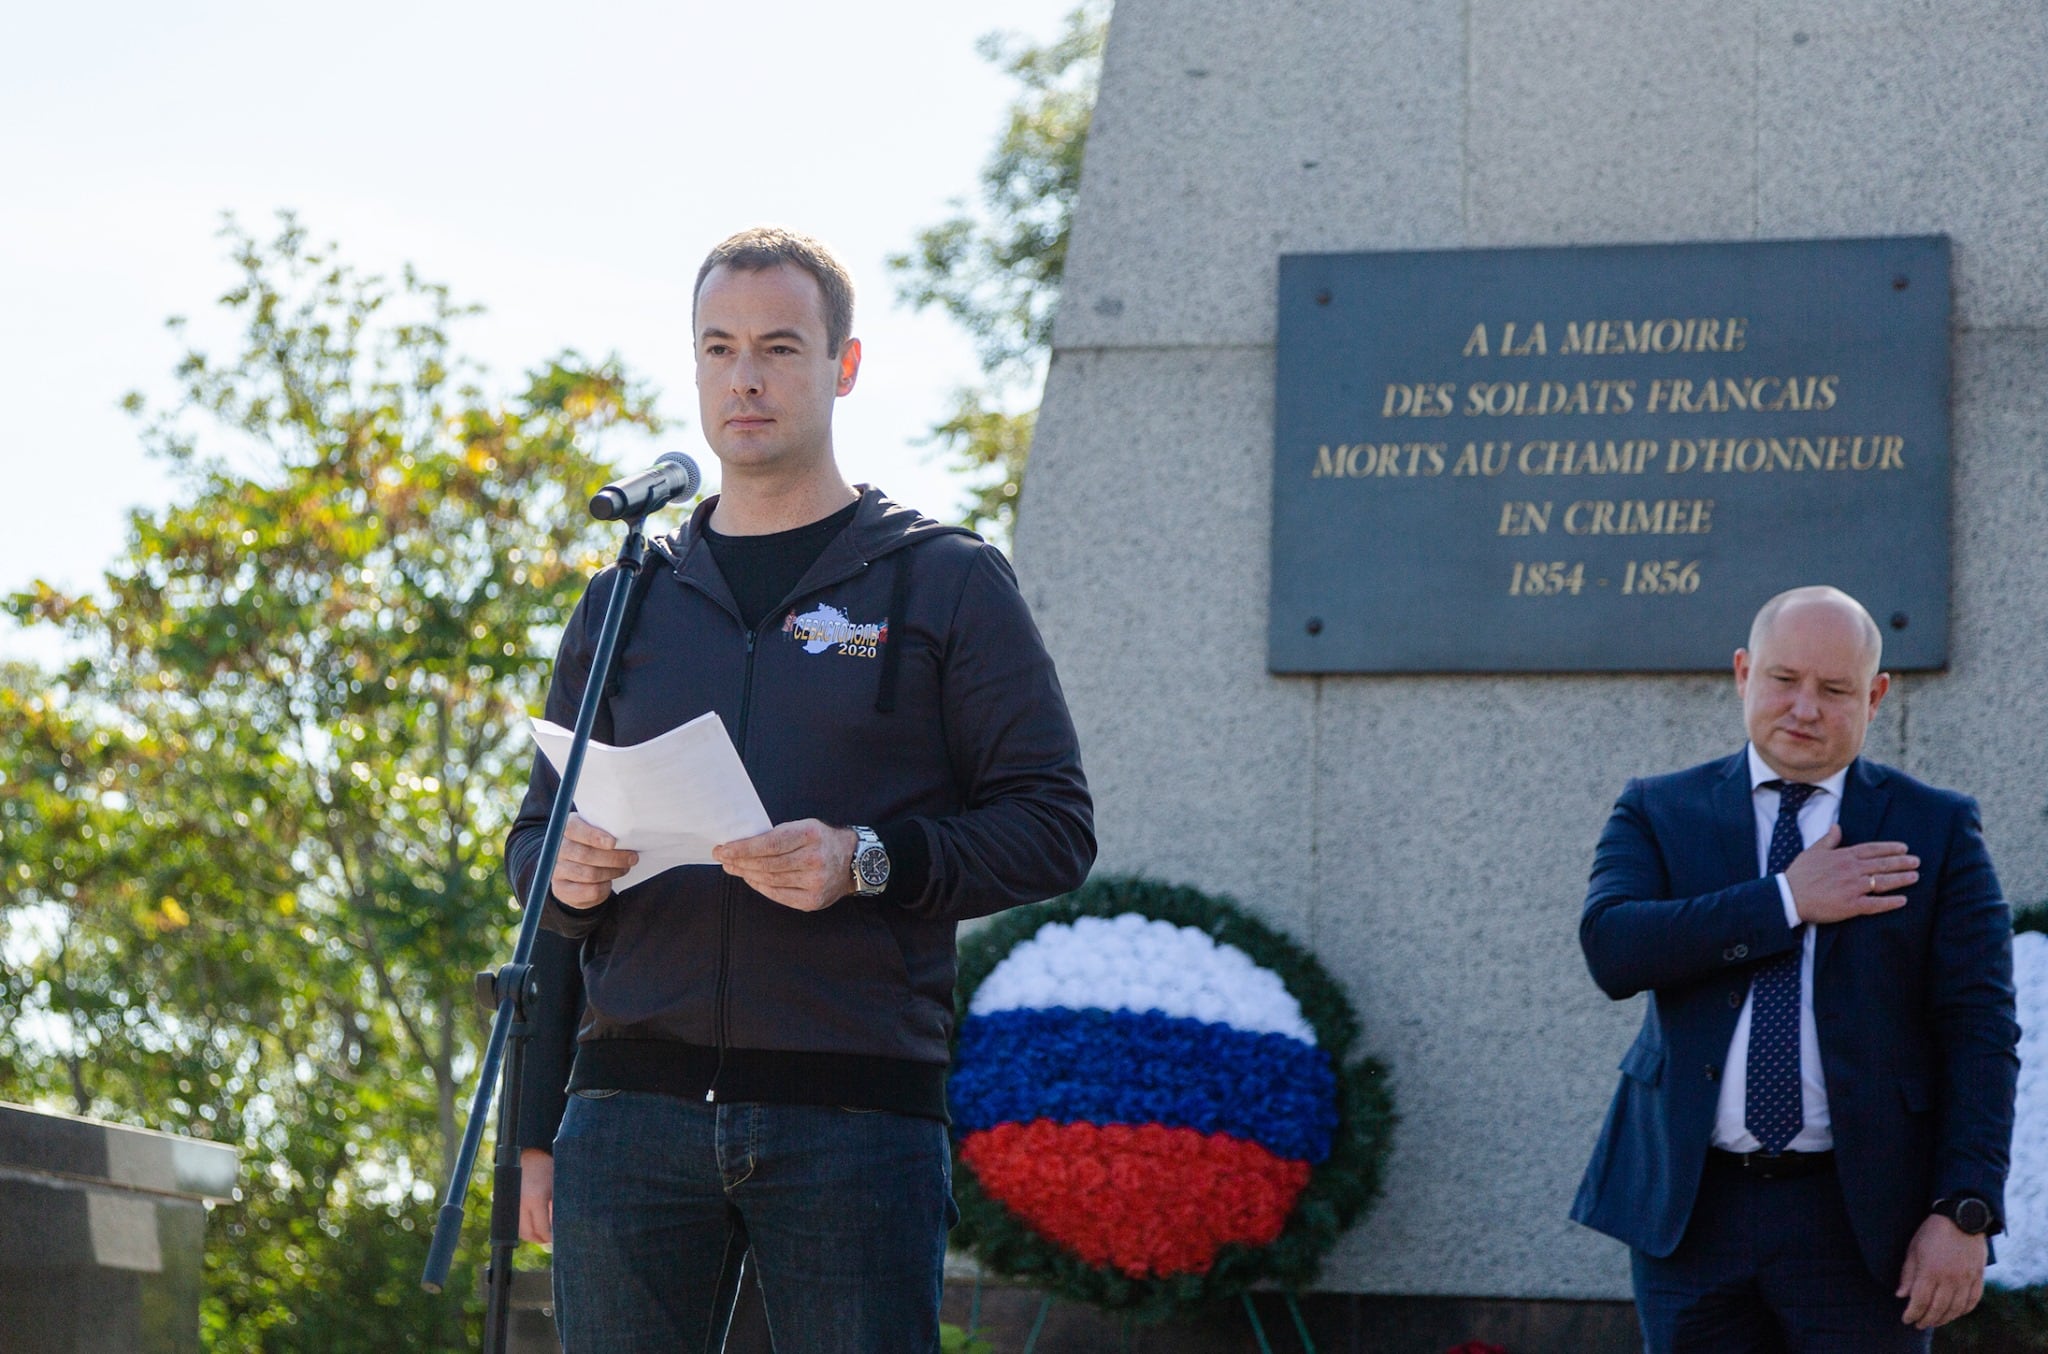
872 865
1973 1216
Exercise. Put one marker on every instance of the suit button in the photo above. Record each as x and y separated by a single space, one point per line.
1735 1000
1734 952
1713 1073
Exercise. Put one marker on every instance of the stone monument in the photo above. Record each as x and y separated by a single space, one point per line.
1429 835
102 1234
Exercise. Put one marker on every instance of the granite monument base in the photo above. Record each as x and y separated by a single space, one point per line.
102 1235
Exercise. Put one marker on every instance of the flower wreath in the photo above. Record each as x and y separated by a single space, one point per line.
1151 1102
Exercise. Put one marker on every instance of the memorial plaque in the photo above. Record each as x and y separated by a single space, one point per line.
1605 458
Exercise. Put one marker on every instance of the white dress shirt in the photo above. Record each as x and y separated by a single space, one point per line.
1816 816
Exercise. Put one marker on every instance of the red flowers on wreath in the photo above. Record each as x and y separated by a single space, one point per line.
1146 1200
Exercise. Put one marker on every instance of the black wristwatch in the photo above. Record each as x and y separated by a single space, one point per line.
1971 1215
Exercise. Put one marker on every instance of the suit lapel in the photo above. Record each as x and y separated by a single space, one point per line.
1865 797
1735 818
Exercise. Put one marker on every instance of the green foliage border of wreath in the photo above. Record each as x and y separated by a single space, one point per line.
1340 1189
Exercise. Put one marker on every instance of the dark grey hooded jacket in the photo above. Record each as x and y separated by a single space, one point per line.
903 686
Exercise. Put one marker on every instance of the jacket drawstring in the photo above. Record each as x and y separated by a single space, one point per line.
892 649
643 583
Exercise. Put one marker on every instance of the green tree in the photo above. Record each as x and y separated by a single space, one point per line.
251 837
996 270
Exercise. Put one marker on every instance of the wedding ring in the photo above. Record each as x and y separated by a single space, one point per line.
1873 885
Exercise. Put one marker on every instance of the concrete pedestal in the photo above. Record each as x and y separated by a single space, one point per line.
102 1235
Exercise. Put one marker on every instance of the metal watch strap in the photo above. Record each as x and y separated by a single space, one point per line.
870 862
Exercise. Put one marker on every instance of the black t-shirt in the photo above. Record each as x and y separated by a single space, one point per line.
761 570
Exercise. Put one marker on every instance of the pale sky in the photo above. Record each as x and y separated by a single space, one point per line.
566 167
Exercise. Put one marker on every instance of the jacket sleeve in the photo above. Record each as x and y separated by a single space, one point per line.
554 1015
1637 937
1027 831
1971 1009
565 694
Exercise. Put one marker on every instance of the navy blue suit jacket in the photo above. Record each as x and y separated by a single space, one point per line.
1914 1006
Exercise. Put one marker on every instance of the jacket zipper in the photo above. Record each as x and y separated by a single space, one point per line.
728 893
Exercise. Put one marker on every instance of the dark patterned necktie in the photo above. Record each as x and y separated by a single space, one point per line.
1773 1108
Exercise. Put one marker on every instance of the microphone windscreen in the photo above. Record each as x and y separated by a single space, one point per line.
692 477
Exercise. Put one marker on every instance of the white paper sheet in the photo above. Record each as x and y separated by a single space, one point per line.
671 798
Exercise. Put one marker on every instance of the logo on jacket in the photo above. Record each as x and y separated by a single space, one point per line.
826 627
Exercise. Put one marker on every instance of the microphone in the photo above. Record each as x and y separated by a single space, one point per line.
673 475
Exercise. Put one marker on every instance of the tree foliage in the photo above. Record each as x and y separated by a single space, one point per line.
996 269
249 840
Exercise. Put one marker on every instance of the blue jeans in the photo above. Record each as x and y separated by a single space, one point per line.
843 1213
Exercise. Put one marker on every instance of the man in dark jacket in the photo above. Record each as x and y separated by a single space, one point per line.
761 1064
1807 1150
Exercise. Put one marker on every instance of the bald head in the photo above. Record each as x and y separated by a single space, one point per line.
1822 606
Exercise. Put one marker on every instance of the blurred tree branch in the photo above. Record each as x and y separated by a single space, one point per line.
249 840
995 269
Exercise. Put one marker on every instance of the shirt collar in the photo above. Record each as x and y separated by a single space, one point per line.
1760 771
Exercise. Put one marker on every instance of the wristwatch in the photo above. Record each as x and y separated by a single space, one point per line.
1971 1215
870 863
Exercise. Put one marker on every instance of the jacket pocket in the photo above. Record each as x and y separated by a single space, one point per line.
832 981
884 952
1644 1062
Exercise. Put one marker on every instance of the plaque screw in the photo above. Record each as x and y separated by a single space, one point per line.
1315 625
1322 298
1900 282
1898 620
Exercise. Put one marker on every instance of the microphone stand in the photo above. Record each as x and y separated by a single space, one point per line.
509 989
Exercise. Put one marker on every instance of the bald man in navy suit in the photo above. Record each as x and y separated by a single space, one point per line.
1808 1148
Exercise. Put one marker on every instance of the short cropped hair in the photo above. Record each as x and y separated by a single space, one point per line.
759 248
1873 638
